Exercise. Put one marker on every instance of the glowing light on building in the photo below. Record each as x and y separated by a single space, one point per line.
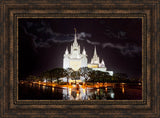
75 59
73 81
92 66
75 65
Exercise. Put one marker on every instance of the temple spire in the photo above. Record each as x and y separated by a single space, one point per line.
84 52
66 52
75 38
103 62
95 52
75 30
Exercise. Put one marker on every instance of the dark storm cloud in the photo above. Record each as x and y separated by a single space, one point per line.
115 34
110 33
92 42
59 38
49 36
43 36
40 42
83 36
126 49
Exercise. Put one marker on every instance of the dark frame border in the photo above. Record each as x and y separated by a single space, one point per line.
10 10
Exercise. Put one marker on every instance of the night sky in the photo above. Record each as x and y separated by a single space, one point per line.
42 43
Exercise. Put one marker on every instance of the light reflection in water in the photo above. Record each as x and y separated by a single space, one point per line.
84 91
78 96
98 91
70 90
79 93
106 89
43 87
123 88
85 94
52 89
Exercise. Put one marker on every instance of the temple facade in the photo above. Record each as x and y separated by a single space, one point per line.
75 59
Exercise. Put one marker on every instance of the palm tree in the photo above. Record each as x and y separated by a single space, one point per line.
68 74
84 71
43 75
106 77
47 75
92 75
99 75
58 72
75 75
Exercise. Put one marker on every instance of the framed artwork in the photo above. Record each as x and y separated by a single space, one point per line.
79 59
100 60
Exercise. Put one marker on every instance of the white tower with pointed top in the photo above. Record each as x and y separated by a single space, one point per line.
84 58
95 59
96 65
102 64
75 59
66 59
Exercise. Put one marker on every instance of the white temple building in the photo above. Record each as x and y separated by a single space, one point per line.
96 65
75 59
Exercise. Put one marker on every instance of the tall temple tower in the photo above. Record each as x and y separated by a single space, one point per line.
75 59
95 59
96 65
